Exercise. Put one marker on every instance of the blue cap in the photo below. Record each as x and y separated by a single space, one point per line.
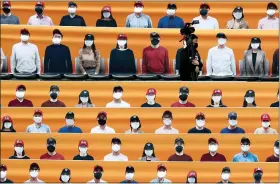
232 115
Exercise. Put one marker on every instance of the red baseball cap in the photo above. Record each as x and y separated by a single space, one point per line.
258 169
151 91
6 3
4 166
38 112
40 3
139 3
200 114
217 92
192 174
19 142
83 143
102 113
265 117
122 37
98 167
7 118
21 86
161 166
204 5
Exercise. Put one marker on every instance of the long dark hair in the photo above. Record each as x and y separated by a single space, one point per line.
11 128
245 104
138 127
220 103
23 153
235 12
250 47
93 48
89 101
194 182
144 154
62 181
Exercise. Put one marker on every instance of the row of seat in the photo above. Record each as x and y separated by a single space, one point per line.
135 92
144 171
119 119
138 39
133 145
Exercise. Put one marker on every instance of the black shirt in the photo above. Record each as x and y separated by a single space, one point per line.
276 104
204 130
7 181
254 59
78 157
125 181
222 182
14 157
219 106
122 62
148 105
8 131
106 23
75 21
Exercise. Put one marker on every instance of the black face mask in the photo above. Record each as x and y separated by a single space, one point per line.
39 10
53 96
257 177
195 45
179 149
203 12
101 122
97 175
183 97
6 10
51 148
154 41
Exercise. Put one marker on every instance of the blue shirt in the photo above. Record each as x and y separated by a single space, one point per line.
250 157
237 130
125 181
171 22
67 129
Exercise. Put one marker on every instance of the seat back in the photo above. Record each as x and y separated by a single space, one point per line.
141 66
102 69
5 65
266 70
77 62
241 67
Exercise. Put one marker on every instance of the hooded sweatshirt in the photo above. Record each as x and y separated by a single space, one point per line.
110 22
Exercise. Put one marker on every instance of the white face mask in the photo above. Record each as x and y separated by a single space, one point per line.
56 41
70 122
222 41
7 125
225 176
255 45
149 152
167 121
138 9
232 122
117 95
237 15
151 99
3 174
170 12
20 94
121 43
65 178
129 176
24 38
135 125
88 43
116 147
161 174
19 149
200 123
83 150
270 12
34 174
106 14
276 150
245 148
37 119
84 99
249 100
72 10
265 124
191 180
216 99
213 148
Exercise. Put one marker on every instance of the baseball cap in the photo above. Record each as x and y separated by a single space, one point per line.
221 35
40 3
226 169
161 166
38 112
200 115
7 119
250 93
167 114
6 3
19 142
245 140
172 6
276 144
184 89
134 118
129 169
217 92
84 93
212 140
149 146
154 35
258 169
83 143
65 171
89 37
57 31
102 113
139 3
4 167
98 167
202 5
117 88
71 3
116 140
232 115
151 91
54 87
238 9
192 174
70 115
34 166
21 87
255 40
179 139
122 37
51 141
265 117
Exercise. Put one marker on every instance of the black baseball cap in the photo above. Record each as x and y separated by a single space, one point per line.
54 87
184 89
89 37
255 40
116 140
149 146
172 6
154 35
66 171
226 169
117 88
134 118
250 93
276 144
238 9
232 115
179 139
34 166
71 3
70 115
221 35
84 93
51 141
129 169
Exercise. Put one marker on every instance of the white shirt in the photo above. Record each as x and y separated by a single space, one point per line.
162 130
111 157
101 181
209 23
36 129
38 181
221 62
98 130
113 104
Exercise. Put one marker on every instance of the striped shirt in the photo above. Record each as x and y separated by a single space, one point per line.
35 20
142 21
43 128
250 157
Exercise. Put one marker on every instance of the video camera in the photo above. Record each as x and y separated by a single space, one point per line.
188 30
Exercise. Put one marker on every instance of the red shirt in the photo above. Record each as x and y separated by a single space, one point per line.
183 157
53 104
216 158
155 61
17 103
177 104
57 156
272 158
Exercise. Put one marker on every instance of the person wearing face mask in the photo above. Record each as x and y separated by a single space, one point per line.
19 152
89 56
7 17
275 156
275 64
216 100
107 19
238 21
232 128
7 124
102 127
20 101
51 154
3 174
57 56
258 173
129 174
135 125
183 98
213 155
25 55
155 58
38 126
245 155
171 20
83 149
271 21
255 61
161 175
179 152
34 171
84 100
205 21
70 124
39 18
200 125
97 174
225 175
65 176
148 153
192 177
53 102
265 129
117 101
72 19
122 59
276 104
138 19
221 60
151 96
116 151
249 99
167 124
